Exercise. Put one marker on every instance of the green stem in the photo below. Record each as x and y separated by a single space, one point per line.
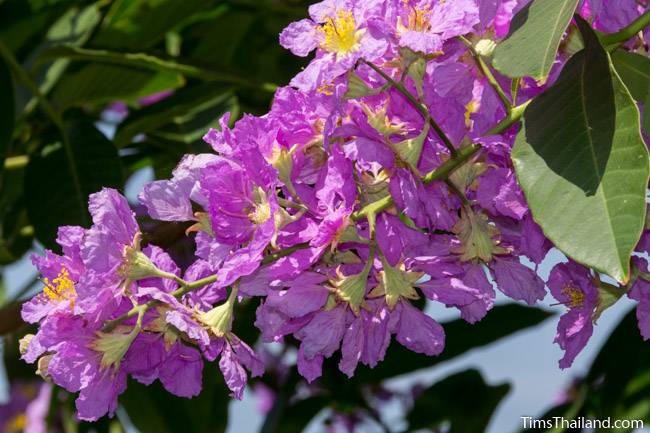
513 117
147 61
485 69
460 194
143 308
283 253
418 106
628 32
441 172
54 116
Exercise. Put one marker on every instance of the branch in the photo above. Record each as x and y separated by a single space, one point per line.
627 32
513 117
441 172
423 111
485 69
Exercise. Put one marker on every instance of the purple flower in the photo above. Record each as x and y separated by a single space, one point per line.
424 25
499 194
572 285
60 275
27 408
517 280
470 292
341 32
419 332
171 200
640 292
242 211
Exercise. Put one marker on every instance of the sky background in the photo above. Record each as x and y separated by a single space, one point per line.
527 360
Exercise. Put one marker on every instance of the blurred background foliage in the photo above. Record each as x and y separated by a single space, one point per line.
92 92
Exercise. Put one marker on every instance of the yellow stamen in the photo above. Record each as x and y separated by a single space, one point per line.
261 210
59 289
420 19
341 34
575 295
16 424
326 89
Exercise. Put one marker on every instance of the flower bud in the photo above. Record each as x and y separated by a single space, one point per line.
113 346
485 47
23 343
608 295
219 319
136 265
42 367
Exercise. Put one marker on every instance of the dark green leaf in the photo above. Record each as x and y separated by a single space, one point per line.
7 114
96 83
646 116
297 416
154 409
54 199
500 322
23 24
535 34
440 403
141 24
634 70
582 163
15 231
182 107
613 377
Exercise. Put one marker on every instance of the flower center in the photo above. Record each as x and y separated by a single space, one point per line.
262 209
341 35
575 295
16 424
59 289
419 19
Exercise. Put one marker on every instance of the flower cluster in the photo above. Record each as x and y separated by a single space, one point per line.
379 177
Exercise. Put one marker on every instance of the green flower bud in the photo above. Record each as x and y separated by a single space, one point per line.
485 47
219 319
113 346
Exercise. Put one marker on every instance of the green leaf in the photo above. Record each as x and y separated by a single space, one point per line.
500 322
153 409
613 378
7 114
634 70
440 403
182 107
535 34
582 163
16 234
96 83
54 199
646 116
139 60
143 23
23 23
297 415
